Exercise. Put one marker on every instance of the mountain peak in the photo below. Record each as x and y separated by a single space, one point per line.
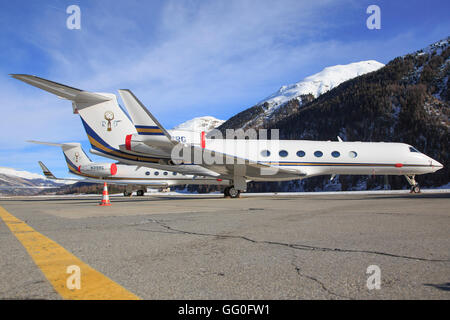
206 123
321 82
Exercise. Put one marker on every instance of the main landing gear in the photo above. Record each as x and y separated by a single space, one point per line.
231 192
129 193
415 188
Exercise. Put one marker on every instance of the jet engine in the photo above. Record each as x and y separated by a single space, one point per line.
99 169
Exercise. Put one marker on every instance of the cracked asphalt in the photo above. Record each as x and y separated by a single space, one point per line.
271 247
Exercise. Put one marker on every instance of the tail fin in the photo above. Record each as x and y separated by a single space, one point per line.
106 124
73 153
46 172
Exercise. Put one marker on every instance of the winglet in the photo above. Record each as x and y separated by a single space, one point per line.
143 120
47 172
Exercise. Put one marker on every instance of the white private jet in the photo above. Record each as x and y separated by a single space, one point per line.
80 165
143 139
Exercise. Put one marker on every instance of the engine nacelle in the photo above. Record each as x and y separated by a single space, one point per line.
133 143
99 169
167 162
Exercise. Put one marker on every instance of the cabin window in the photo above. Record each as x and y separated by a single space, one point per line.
352 154
166 173
283 153
412 149
156 173
301 153
265 153
147 173
318 154
335 154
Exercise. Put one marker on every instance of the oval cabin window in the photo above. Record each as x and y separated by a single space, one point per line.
318 154
265 153
335 154
283 153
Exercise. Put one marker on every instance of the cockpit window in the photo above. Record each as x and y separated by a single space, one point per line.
412 149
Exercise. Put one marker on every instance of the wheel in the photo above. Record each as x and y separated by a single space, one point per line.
416 189
226 192
140 193
127 194
234 193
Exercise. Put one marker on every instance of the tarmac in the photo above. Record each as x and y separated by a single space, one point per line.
272 246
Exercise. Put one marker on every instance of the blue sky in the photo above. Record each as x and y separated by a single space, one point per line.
183 59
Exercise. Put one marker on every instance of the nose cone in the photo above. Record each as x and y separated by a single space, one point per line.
435 165
438 164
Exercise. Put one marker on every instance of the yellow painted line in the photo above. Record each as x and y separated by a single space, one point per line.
54 260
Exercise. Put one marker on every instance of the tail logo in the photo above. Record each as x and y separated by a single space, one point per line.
109 123
77 155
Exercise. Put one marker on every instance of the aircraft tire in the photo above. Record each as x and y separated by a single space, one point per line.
234 193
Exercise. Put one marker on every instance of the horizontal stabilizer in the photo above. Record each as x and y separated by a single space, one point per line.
46 143
62 91
65 146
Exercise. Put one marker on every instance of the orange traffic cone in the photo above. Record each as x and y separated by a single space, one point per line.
105 199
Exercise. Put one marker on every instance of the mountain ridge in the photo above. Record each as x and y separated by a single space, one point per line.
299 93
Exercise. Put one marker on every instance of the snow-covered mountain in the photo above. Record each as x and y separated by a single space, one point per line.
14 181
199 124
321 82
21 174
279 103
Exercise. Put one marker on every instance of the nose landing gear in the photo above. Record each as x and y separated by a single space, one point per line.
415 188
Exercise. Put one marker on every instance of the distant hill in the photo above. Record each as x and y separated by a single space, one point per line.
16 182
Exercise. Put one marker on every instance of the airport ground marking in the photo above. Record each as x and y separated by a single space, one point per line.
53 260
